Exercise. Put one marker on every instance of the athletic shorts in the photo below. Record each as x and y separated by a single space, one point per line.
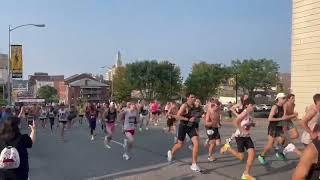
93 124
111 126
170 122
81 116
286 125
154 113
131 131
213 133
184 129
63 122
275 131
244 143
42 119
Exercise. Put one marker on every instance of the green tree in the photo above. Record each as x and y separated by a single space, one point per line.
121 86
50 94
205 79
253 74
155 80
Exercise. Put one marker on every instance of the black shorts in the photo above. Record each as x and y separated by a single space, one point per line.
170 122
274 130
63 122
81 116
154 113
244 143
215 135
42 119
184 129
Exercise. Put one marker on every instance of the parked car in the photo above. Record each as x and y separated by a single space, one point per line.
263 107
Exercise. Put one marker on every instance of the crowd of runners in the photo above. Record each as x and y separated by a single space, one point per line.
183 122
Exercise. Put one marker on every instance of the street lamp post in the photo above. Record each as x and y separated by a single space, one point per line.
10 29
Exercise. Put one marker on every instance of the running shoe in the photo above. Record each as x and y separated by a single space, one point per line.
147 128
155 124
262 160
92 138
190 147
228 140
126 156
140 129
280 156
224 148
211 158
169 156
247 177
108 146
290 148
195 167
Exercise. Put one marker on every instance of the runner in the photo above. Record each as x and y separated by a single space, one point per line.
154 112
187 126
171 122
311 121
212 123
51 117
72 114
62 115
237 110
196 112
43 116
275 132
110 116
144 115
289 127
309 164
130 119
92 118
243 122
100 116
81 113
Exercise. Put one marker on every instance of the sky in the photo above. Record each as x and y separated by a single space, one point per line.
84 35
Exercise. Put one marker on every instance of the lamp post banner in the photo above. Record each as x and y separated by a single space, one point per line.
16 61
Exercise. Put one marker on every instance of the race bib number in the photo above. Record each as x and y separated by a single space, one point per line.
210 132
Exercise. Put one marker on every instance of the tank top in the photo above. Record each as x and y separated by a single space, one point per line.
111 116
143 110
246 125
314 172
197 113
130 120
279 114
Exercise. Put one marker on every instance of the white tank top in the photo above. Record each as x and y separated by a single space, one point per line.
130 120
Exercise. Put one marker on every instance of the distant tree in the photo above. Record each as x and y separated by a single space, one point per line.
155 80
205 79
253 74
50 94
121 86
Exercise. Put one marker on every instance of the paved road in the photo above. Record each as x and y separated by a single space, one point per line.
79 158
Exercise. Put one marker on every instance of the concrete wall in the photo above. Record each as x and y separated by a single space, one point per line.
305 62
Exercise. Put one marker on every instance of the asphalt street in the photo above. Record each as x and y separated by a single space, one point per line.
80 158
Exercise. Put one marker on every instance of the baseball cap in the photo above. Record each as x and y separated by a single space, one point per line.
281 95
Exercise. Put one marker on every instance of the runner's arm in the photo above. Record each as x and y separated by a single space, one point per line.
180 113
272 113
309 157
239 118
308 117
233 109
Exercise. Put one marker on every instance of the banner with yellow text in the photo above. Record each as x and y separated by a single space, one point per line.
16 61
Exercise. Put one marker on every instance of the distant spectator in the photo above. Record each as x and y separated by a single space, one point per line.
229 106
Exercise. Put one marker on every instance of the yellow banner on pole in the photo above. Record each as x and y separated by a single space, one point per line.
16 61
